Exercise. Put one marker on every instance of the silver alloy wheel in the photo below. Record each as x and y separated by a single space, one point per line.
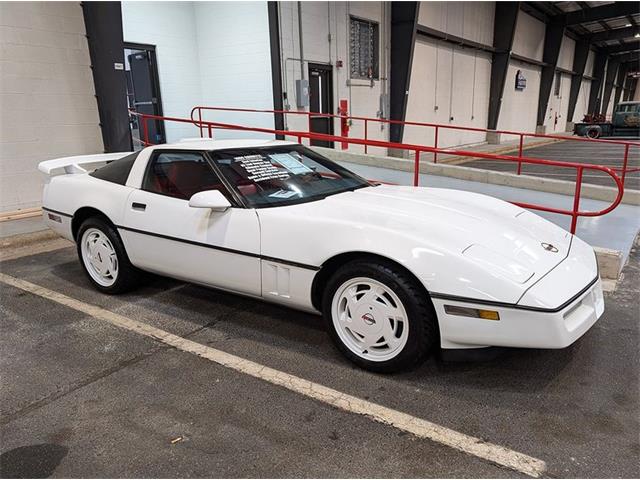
370 319
99 257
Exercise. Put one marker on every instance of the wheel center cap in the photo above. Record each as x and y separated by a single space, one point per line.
368 319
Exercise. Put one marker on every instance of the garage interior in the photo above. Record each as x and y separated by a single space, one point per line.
140 385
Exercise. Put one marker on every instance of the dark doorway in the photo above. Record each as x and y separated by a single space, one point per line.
143 93
321 101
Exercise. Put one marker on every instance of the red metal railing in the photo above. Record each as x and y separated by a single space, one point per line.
624 168
574 213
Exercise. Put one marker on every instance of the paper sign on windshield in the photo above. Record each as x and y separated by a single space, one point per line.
260 168
292 164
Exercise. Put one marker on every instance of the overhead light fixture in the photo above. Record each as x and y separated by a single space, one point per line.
637 35
628 25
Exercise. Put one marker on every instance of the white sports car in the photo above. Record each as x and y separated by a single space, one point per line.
394 270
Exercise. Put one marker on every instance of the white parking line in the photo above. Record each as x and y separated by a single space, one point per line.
417 426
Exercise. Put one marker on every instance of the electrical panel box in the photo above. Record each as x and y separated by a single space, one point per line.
302 93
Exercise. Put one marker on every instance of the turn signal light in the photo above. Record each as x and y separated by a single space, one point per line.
472 312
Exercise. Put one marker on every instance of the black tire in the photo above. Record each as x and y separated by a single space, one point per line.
128 277
422 320
594 132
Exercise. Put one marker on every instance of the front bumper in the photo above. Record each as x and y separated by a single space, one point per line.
521 327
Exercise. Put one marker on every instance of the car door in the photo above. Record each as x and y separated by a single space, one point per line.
164 235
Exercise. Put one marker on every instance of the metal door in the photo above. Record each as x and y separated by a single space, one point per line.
145 96
321 101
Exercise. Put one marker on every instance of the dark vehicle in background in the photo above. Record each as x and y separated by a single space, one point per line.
625 122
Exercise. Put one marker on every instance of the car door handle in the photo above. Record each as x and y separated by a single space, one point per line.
139 206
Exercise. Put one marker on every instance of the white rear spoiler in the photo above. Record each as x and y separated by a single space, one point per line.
78 164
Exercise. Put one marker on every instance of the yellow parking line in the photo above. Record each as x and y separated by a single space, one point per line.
417 426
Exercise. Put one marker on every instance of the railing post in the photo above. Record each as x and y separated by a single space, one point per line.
210 131
366 134
520 154
416 170
200 121
299 139
145 130
624 163
435 145
576 201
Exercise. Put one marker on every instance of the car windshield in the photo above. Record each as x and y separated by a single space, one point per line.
283 175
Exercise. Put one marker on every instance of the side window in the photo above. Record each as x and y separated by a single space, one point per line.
180 175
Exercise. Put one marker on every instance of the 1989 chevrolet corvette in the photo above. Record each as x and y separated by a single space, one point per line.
394 270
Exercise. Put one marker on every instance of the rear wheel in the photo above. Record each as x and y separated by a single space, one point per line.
104 258
594 132
379 317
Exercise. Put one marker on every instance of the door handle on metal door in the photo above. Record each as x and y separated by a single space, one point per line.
138 206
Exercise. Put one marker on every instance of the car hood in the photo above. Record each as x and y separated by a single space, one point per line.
500 236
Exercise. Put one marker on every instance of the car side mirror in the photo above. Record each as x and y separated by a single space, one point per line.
213 199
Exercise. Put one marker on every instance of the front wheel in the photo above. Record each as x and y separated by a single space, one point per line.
379 317
104 258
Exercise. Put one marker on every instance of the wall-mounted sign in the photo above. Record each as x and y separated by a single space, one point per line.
521 82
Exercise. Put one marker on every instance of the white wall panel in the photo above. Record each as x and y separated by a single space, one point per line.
555 119
449 86
567 51
209 53
519 108
588 68
529 37
46 93
469 20
171 27
235 62
319 20
582 103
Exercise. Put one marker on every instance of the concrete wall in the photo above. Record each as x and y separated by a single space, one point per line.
46 92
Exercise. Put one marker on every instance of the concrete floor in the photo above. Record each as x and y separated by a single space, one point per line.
592 153
82 398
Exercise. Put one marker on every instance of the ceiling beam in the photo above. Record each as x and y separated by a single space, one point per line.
626 57
623 47
615 34
613 10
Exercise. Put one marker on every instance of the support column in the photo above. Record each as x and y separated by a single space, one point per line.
612 71
404 20
596 84
103 24
580 56
276 65
552 43
504 29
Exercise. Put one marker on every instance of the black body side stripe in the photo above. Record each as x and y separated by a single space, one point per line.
454 298
56 211
223 249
